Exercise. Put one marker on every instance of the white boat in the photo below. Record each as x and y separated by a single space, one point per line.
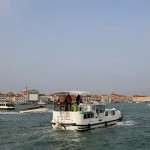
6 105
41 103
87 117
37 109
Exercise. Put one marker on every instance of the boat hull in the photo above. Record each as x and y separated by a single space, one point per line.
81 121
7 108
85 127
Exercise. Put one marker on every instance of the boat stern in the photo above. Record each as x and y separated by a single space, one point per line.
65 120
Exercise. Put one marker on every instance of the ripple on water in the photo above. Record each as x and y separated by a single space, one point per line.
33 131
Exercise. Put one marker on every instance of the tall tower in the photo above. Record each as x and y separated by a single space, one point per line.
26 89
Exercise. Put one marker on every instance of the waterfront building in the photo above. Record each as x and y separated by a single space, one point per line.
33 96
140 99
17 99
52 97
43 98
9 96
105 98
2 97
116 98
89 98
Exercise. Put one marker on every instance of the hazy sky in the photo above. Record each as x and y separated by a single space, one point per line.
99 46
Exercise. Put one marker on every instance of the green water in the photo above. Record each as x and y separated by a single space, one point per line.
34 132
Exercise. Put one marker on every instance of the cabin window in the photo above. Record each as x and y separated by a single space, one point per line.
101 111
10 105
102 108
97 111
2 104
94 108
112 113
106 113
92 115
88 115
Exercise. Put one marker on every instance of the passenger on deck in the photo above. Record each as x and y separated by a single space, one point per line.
75 107
78 99
58 102
81 106
68 98
68 101
56 105
56 108
66 104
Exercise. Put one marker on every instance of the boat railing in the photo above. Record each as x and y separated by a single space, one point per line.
62 107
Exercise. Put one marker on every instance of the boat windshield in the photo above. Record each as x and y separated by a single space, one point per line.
98 108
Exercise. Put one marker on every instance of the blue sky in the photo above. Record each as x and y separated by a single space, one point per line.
100 46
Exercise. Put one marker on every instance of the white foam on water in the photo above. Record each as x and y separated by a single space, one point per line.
8 113
34 112
127 123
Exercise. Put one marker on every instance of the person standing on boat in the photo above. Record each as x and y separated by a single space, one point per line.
75 107
57 105
78 99
66 104
69 100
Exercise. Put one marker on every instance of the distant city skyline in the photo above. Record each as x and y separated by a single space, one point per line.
95 46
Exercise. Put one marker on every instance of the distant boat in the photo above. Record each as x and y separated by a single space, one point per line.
34 109
41 103
6 105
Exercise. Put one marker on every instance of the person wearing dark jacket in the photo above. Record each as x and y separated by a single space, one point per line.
66 104
78 99
68 98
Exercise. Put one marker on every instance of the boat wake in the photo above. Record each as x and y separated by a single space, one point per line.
127 123
9 113
34 112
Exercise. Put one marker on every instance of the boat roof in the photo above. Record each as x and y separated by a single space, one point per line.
83 93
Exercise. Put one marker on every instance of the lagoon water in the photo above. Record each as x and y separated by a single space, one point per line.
34 132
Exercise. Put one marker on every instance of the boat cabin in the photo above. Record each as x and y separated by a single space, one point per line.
6 105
